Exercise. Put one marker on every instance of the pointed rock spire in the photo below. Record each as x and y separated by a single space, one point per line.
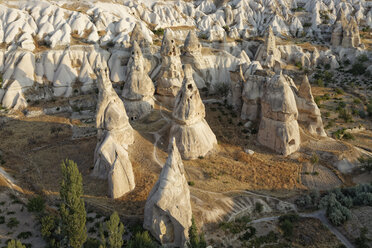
188 107
168 210
278 127
192 133
111 159
170 75
137 35
139 89
305 89
309 114
192 44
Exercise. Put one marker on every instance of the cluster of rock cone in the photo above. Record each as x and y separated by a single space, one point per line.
274 100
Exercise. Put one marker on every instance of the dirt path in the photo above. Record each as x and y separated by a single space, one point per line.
320 215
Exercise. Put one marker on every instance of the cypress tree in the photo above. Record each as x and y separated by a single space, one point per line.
15 244
115 231
72 208
195 240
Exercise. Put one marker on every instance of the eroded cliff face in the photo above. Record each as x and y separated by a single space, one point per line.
168 210
115 134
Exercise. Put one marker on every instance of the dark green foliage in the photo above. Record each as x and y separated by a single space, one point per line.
361 241
358 69
142 240
336 212
13 222
2 219
248 234
345 115
271 237
15 244
195 240
362 58
342 134
287 227
366 163
72 208
159 32
369 108
258 207
92 243
286 223
48 225
314 158
36 204
115 230
339 91
237 226
24 235
191 183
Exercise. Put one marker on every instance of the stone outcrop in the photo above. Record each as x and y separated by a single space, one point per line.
168 210
170 76
278 128
191 131
267 53
137 35
111 159
252 93
308 112
345 33
191 54
138 91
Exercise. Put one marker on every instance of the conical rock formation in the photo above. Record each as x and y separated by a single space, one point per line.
139 90
345 34
267 53
192 133
111 159
278 128
308 112
168 210
170 76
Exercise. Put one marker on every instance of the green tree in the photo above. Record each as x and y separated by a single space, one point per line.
142 240
15 244
72 208
195 240
115 231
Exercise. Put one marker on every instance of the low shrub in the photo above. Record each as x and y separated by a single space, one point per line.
36 204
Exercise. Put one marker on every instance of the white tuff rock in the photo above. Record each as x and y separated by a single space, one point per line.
139 90
170 77
193 135
111 159
168 210
278 128
308 112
